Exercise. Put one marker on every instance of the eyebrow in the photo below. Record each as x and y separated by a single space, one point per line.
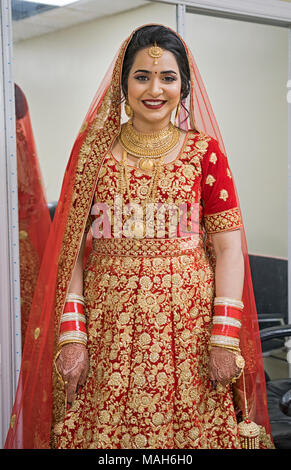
164 72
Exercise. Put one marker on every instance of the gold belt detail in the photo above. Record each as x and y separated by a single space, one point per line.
147 247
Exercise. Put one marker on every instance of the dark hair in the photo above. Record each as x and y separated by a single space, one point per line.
166 39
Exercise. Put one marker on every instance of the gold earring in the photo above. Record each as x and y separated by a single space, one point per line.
178 110
128 109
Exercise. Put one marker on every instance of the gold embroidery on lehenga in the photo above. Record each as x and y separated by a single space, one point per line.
213 157
210 180
223 194
146 299
99 137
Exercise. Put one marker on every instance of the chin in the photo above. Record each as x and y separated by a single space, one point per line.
155 117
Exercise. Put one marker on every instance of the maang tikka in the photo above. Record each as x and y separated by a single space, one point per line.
155 52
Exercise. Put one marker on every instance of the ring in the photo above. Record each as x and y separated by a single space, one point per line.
239 361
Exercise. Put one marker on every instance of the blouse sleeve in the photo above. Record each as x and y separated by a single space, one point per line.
219 201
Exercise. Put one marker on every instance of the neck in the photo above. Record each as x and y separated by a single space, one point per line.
149 127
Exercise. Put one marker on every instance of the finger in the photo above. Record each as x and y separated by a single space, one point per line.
60 368
71 388
212 373
83 376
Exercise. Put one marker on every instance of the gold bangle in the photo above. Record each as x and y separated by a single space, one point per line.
68 341
225 341
229 348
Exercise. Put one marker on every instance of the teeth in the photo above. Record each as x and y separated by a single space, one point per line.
153 103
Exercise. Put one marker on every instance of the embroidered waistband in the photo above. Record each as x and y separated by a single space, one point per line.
147 247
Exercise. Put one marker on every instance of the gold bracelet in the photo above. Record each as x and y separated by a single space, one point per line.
229 348
224 341
63 343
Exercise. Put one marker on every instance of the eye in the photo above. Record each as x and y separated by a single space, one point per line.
170 79
142 78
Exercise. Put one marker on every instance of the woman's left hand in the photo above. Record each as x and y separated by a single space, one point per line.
222 366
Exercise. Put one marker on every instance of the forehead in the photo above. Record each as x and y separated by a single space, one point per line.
144 61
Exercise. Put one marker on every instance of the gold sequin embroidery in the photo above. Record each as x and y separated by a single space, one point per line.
210 180
223 194
222 221
213 158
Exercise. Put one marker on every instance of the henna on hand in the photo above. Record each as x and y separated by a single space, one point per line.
222 366
73 365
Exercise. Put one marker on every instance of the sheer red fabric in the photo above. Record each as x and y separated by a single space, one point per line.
32 414
33 212
250 343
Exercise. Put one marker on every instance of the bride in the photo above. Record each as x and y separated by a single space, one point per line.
151 330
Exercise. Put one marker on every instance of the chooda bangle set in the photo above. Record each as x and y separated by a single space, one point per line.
73 321
225 331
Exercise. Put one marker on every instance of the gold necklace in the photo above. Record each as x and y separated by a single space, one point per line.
138 227
148 147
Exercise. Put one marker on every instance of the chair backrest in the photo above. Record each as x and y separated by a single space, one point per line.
270 283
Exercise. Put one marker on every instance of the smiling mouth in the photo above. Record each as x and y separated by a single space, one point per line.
153 104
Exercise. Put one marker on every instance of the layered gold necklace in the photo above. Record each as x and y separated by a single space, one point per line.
148 147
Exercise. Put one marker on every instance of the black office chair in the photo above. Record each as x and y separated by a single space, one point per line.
279 393
270 284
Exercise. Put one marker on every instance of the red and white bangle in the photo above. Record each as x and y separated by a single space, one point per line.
226 323
73 321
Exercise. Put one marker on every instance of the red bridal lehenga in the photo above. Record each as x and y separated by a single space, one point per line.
148 305
149 301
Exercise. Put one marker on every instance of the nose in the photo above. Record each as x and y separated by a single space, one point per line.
155 88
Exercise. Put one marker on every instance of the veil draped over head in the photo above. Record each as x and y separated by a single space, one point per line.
39 399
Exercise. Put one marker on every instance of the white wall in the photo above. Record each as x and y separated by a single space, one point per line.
245 69
60 73
244 66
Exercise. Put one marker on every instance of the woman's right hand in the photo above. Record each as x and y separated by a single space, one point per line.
73 365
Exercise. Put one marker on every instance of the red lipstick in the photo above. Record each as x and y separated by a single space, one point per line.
154 104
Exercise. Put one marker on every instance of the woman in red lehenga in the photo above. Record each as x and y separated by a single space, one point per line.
147 333
33 212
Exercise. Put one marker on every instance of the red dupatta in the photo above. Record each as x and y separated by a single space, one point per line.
33 212
39 403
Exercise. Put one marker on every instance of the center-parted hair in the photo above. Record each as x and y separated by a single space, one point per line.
166 39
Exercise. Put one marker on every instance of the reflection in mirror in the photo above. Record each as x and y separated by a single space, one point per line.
33 212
